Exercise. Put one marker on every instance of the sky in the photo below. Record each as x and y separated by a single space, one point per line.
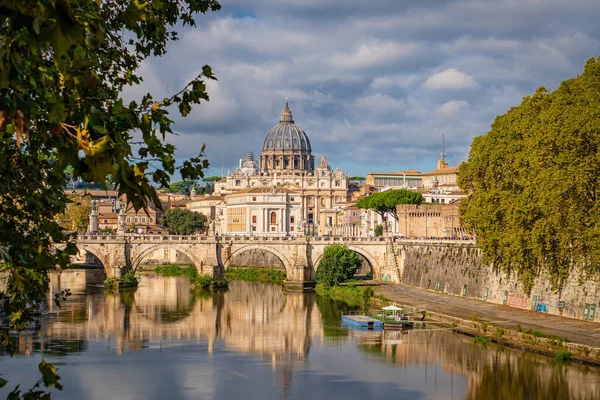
373 83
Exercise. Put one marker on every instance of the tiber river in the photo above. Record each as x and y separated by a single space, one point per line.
253 341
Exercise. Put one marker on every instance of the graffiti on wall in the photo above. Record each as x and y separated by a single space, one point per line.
542 306
515 300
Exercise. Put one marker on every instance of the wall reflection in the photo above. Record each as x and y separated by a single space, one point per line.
263 320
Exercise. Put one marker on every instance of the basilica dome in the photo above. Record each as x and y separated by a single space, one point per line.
286 135
286 147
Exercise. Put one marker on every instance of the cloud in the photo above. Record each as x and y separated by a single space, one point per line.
451 107
450 79
373 84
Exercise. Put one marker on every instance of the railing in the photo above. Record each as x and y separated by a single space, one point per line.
253 238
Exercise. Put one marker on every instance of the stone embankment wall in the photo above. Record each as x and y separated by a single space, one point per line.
257 258
458 269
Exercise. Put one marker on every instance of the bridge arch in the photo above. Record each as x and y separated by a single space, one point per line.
137 258
97 252
284 260
371 260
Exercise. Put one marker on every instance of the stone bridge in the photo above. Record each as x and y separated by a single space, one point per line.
300 256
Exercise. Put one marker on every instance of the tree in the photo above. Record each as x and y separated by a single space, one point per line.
182 187
210 183
63 65
378 230
77 214
384 203
337 265
183 222
357 178
533 183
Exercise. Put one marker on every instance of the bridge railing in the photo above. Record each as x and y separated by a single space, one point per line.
253 238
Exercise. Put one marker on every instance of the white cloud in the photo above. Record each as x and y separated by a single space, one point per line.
373 54
451 107
379 103
450 79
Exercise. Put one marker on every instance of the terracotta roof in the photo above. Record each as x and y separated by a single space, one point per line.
442 171
182 202
206 198
92 192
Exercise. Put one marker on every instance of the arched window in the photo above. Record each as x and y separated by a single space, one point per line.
273 217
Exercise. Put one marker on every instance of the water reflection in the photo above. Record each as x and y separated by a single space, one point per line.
294 344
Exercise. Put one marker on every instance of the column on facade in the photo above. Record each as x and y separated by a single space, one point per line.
283 222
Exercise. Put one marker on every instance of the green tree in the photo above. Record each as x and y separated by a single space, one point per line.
378 230
533 183
182 187
63 65
77 214
338 264
357 178
384 203
183 222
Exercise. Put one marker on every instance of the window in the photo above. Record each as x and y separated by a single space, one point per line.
291 229
237 183
337 183
151 220
128 220
272 229
292 219
322 202
254 198
135 220
254 219
310 201
273 217
291 199
222 187
143 220
322 183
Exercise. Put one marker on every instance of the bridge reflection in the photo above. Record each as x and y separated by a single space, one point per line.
262 320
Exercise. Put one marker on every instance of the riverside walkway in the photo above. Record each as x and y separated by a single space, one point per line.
576 331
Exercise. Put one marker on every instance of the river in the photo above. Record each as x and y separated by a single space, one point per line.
253 341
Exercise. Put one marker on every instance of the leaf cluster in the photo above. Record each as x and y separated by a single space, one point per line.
533 183
338 264
183 222
385 202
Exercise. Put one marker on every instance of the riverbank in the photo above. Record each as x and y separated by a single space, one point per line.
204 281
356 296
255 274
528 330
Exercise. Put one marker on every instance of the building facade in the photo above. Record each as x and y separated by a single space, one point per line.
261 211
287 164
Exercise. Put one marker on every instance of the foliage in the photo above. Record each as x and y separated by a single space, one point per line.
107 230
63 65
351 295
482 340
77 214
338 264
183 222
183 187
213 178
564 357
367 293
357 178
129 280
258 274
378 230
533 183
384 203
176 270
204 281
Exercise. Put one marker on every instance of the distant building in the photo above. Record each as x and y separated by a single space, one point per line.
287 163
430 221
260 211
380 181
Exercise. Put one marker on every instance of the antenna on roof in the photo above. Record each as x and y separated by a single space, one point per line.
443 147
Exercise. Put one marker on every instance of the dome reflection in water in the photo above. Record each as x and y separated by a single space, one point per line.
165 340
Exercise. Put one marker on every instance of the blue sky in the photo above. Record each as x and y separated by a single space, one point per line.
373 83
